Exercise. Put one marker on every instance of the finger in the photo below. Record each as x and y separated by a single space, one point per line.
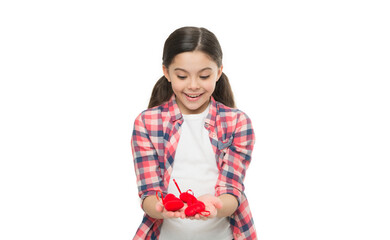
177 214
170 214
217 202
201 217
181 214
214 213
159 207
165 214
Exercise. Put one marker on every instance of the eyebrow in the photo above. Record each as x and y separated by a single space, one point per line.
203 69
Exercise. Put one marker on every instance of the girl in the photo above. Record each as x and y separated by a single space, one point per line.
192 133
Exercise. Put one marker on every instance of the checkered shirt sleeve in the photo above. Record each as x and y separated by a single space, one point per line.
146 159
236 155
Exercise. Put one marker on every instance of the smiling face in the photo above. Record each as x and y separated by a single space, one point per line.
193 76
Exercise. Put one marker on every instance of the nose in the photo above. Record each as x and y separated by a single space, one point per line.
193 84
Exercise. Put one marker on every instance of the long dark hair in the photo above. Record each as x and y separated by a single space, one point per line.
188 39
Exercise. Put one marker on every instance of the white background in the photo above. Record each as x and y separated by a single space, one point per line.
312 75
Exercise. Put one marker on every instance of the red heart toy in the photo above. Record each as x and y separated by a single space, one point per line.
188 196
195 208
194 205
170 202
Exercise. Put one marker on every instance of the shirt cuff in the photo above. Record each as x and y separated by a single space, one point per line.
229 190
147 194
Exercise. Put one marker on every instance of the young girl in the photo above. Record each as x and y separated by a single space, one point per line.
193 133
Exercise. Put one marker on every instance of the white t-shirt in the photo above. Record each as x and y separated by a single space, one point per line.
195 168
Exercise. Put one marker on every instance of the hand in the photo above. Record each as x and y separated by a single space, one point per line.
212 204
169 214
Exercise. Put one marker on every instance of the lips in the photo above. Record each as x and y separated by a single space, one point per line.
193 97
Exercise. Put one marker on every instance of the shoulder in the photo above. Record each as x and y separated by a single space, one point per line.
151 115
153 111
236 126
231 114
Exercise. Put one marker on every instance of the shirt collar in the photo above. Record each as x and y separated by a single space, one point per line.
210 119
176 114
174 110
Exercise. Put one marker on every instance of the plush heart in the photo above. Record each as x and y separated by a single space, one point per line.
195 208
170 202
188 197
169 197
173 205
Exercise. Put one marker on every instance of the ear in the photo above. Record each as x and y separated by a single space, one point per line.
220 70
166 73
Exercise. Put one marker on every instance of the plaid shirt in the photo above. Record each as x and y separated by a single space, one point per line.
154 141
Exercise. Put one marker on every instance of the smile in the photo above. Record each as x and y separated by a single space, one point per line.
193 97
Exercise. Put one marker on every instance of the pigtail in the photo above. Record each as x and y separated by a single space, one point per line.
223 92
162 92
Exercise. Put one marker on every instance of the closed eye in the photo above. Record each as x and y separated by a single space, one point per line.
204 77
181 77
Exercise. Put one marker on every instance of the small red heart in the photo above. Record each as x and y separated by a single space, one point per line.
197 207
170 197
194 206
188 197
170 202
190 211
174 205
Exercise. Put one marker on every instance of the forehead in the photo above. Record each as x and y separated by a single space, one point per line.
193 61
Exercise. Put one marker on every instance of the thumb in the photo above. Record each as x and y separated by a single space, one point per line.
217 202
159 207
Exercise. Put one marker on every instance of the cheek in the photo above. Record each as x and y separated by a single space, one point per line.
177 87
210 86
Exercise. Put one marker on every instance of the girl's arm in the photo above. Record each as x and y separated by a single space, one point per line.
146 162
229 205
150 208
236 159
